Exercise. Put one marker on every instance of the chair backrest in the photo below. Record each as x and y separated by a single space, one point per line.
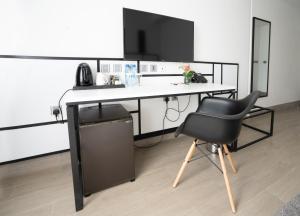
218 120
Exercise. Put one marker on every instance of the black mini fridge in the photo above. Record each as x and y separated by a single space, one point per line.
106 147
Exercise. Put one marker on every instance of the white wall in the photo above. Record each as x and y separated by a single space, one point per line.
284 72
93 28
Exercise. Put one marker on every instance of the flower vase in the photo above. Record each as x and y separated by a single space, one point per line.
187 80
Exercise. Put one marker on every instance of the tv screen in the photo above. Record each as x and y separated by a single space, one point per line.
153 37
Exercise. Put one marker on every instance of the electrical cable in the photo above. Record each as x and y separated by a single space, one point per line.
59 105
179 114
167 110
171 120
163 121
161 136
177 110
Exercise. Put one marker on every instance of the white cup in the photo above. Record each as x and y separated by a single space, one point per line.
100 78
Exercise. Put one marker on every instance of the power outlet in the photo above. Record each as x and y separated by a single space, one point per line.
153 68
54 110
143 68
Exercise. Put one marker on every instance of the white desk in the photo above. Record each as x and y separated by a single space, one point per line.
75 98
141 92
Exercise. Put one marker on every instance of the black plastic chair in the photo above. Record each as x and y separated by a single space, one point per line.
219 121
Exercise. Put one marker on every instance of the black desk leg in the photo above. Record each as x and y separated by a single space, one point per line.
199 99
73 126
233 146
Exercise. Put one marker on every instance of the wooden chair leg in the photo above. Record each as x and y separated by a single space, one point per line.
227 183
185 162
231 161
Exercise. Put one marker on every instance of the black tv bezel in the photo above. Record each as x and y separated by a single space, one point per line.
138 59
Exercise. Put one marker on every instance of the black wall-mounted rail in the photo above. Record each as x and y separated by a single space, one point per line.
98 59
102 59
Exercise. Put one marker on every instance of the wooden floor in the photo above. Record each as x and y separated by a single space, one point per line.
268 175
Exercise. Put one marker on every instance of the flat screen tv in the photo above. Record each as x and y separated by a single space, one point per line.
154 37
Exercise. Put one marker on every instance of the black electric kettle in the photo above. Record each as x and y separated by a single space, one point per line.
84 75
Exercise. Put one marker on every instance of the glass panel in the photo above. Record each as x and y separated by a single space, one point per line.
260 55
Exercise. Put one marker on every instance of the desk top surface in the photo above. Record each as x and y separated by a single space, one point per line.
141 92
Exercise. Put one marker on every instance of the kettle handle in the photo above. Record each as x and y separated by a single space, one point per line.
84 75
78 75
